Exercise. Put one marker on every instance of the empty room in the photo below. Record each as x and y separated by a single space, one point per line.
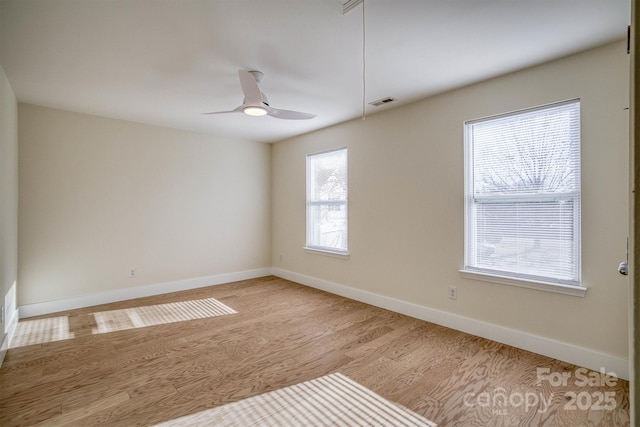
321 212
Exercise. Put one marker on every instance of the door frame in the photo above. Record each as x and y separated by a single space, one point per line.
634 218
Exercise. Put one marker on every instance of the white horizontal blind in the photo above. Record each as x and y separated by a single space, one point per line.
523 194
327 201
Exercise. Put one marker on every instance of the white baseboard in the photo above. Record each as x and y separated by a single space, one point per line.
115 295
537 344
542 345
10 316
3 348
10 330
12 324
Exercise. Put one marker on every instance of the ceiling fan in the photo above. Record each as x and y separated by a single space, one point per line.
256 103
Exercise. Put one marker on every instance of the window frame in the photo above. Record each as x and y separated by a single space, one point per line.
310 245
514 278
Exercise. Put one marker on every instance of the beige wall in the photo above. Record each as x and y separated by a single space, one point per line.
99 196
8 191
406 202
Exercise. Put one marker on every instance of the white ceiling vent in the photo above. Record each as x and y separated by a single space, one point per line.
382 101
347 5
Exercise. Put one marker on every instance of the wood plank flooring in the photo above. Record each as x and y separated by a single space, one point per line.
283 334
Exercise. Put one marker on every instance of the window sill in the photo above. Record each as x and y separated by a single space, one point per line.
576 291
335 254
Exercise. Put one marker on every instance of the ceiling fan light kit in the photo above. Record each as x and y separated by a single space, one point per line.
255 102
254 111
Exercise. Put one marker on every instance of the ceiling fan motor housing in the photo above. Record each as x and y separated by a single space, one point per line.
257 75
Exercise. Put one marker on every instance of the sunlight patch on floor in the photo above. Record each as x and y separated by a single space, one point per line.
332 400
140 317
40 331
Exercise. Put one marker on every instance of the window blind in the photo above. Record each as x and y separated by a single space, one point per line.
523 194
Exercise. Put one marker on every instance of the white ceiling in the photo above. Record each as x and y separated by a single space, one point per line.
165 62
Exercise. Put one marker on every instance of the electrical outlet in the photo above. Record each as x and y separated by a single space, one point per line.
453 292
133 272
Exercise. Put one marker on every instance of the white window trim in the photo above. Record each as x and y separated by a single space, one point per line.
327 252
577 289
323 250
559 288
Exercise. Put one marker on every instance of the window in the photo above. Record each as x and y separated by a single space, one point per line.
327 201
522 208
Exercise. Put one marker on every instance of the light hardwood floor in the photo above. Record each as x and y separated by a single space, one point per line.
282 334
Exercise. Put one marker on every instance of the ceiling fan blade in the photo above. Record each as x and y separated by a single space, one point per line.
250 88
219 112
288 114
237 110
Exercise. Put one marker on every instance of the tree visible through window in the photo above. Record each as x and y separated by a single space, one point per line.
523 194
327 201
